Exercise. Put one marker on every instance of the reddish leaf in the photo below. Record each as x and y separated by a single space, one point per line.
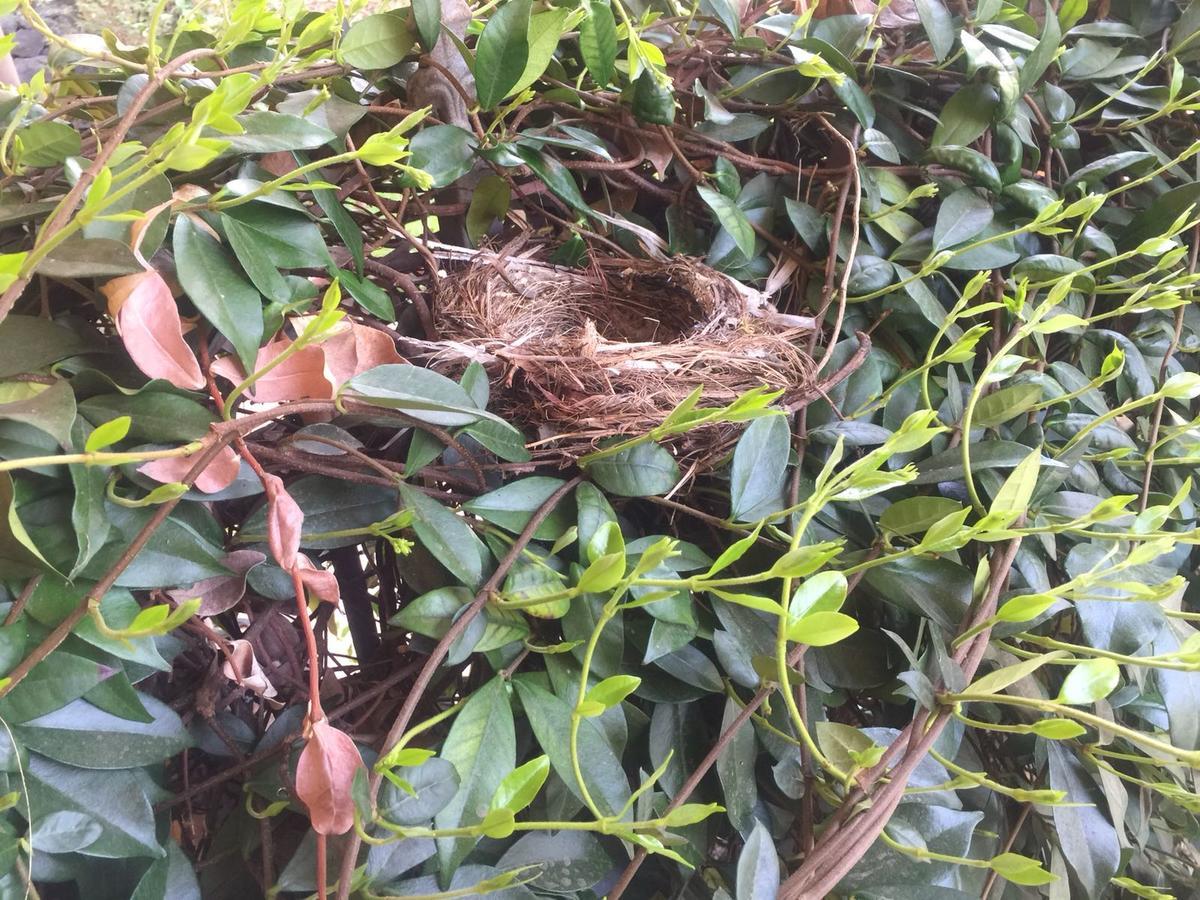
321 583
217 475
324 777
284 522
353 348
299 377
149 324
221 592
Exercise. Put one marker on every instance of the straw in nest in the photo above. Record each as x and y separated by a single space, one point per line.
593 353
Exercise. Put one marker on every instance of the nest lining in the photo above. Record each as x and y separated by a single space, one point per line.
611 350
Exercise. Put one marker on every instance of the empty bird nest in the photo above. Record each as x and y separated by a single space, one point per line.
587 354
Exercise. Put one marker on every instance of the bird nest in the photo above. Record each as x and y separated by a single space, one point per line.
586 354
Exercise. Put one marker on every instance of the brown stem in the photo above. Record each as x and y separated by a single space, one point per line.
421 683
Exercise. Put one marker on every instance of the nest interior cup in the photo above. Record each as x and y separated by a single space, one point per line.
612 349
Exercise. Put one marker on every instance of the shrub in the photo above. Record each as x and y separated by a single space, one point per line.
303 594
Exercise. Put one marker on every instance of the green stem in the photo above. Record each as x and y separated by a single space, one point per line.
98 458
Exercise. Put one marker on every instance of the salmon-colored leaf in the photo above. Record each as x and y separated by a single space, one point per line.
217 475
324 778
149 324
299 377
353 349
321 583
284 522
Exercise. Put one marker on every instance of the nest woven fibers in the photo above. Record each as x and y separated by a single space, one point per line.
586 354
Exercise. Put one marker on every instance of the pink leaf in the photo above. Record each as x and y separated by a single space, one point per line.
353 348
321 583
284 522
325 776
246 670
149 324
221 592
217 475
299 377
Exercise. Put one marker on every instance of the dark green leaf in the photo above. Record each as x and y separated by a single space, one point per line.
644 470
502 53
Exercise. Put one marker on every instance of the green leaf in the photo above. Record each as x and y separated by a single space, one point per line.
961 217
489 201
511 506
971 162
844 745
613 690
756 478
1100 169
114 798
1020 869
735 769
556 176
545 31
377 42
1016 492
1025 607
417 392
1057 729
218 289
652 100
343 223
81 735
329 505
481 745
966 115
446 152
598 41
914 515
691 813
51 685
550 719
644 470
276 132
758 867
107 434
288 239
1006 404
428 17
1083 832
997 680
568 862
447 537
938 25
985 455
521 785
731 218
434 784
502 52
1090 681
28 343
1042 55
44 144
368 295
824 592
820 629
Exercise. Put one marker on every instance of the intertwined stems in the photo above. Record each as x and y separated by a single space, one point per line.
421 683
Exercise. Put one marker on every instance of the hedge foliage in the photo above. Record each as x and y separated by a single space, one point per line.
290 610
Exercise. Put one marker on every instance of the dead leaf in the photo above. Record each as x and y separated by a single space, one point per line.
217 475
148 322
299 377
284 522
246 670
324 777
353 349
222 592
321 583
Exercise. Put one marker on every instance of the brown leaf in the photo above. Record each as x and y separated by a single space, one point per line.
321 583
354 348
221 592
324 777
217 475
149 324
284 522
299 377
246 671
